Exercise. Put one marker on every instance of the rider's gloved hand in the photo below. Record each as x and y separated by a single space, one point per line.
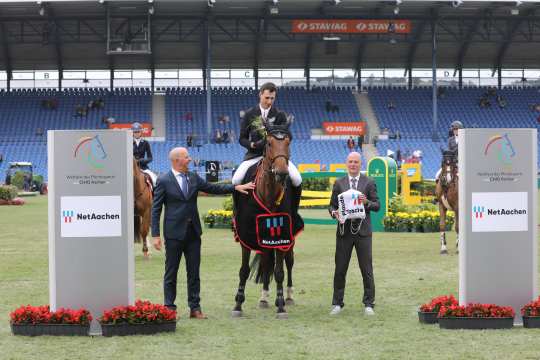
259 145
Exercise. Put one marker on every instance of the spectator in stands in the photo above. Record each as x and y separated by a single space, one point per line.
375 139
80 111
350 143
492 91
398 135
535 107
218 137
39 131
484 102
398 157
188 116
189 140
501 102
391 105
252 133
100 103
441 92
360 142
1 158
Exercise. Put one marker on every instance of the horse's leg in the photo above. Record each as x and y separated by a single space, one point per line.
289 262
243 275
442 225
279 275
145 227
267 265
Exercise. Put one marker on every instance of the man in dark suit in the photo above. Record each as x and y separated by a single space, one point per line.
177 189
360 240
252 133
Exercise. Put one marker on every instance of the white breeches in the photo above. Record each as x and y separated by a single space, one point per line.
152 176
240 173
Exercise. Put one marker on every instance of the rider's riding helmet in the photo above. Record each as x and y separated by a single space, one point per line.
135 127
456 125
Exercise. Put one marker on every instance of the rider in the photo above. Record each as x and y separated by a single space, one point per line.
252 133
141 151
452 141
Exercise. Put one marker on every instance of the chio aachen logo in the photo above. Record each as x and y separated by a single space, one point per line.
480 212
70 216
502 147
90 148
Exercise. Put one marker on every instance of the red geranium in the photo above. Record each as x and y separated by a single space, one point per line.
476 311
43 315
142 312
436 303
532 308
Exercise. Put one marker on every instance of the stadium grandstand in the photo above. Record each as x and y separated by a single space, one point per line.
188 68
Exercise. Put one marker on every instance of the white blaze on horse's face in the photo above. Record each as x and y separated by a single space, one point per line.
448 173
278 152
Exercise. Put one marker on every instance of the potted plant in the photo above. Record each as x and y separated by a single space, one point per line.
476 316
39 320
141 318
427 314
531 314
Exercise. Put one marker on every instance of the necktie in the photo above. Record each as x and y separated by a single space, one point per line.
184 184
353 183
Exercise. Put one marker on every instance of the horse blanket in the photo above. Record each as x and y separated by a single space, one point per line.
257 228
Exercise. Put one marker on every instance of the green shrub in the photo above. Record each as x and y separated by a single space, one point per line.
18 180
316 184
8 192
227 204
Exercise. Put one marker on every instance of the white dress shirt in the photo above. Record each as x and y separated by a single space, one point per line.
351 181
264 112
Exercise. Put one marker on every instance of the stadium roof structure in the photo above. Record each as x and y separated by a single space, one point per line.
253 34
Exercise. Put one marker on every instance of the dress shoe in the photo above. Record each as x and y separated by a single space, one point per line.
197 314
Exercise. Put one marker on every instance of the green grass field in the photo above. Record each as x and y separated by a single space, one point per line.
408 271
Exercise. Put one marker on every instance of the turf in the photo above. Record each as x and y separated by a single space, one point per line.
408 271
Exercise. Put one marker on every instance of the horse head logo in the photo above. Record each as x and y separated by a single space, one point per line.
90 148
502 147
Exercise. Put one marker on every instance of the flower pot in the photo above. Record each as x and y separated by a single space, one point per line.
476 323
531 322
50 329
428 317
137 329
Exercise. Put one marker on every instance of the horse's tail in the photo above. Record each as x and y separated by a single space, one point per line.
256 267
137 233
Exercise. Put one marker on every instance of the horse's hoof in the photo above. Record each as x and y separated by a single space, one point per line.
289 301
237 314
263 304
444 252
282 316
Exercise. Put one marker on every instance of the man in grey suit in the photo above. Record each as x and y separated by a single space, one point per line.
349 235
178 190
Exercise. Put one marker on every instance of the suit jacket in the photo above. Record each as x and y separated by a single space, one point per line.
249 132
180 211
142 153
452 144
367 187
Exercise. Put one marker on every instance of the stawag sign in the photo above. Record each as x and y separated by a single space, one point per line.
337 26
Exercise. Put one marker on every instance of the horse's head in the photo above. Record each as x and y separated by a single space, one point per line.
277 152
449 167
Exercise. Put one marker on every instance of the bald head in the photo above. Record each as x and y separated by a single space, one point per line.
354 161
179 158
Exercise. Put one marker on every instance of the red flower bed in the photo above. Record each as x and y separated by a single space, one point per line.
532 308
476 311
43 315
142 312
436 303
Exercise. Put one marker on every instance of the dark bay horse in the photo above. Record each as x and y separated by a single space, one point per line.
142 193
270 180
446 192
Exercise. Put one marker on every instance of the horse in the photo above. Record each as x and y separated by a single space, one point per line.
271 182
446 191
143 206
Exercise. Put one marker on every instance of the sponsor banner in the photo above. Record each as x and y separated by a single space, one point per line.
336 26
499 211
90 216
147 128
344 128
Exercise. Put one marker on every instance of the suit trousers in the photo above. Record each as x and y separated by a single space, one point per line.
190 246
344 246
